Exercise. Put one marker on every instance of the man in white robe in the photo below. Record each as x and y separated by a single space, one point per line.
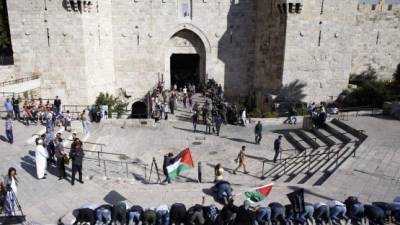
41 157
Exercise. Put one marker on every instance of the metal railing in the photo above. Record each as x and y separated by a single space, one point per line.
309 148
345 113
20 80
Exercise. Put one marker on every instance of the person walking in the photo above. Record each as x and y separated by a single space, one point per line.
76 155
258 132
68 121
195 120
41 156
15 103
166 163
85 122
277 147
240 158
244 117
9 107
59 152
57 105
208 124
172 100
9 129
218 122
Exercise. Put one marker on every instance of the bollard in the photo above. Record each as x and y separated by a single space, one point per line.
98 157
199 171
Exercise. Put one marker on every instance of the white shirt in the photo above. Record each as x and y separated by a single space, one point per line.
162 208
319 204
14 186
333 203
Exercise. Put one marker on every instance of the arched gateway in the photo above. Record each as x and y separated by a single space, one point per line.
186 58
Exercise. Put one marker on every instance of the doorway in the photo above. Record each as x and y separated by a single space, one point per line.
185 69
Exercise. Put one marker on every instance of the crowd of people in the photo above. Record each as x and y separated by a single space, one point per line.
50 151
329 212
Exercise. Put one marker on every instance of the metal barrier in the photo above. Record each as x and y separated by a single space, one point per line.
344 113
122 164
305 153
20 80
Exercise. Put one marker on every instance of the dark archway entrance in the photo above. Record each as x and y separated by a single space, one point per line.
185 69
139 110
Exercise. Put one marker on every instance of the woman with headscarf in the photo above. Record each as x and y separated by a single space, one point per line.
10 186
41 157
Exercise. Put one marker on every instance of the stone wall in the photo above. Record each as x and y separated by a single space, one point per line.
142 29
376 40
317 47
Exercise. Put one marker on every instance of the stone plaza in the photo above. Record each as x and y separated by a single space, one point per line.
372 174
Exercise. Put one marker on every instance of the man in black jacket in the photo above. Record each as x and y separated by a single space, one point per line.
57 105
76 154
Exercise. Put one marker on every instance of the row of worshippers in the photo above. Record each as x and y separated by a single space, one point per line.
330 212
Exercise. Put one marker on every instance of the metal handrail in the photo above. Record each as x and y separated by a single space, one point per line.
119 162
305 150
20 80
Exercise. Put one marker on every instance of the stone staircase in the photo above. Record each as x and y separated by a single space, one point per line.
320 153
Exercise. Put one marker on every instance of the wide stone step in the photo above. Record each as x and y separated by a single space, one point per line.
311 141
336 133
322 137
343 132
356 133
296 141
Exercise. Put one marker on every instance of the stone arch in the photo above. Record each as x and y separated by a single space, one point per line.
139 110
188 40
192 28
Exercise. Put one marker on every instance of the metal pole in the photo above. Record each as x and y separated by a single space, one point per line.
127 170
262 173
145 172
199 171
284 169
98 157
105 168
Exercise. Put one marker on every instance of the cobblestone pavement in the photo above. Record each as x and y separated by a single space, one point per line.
372 174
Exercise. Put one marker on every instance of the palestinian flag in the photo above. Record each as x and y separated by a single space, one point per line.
183 161
259 193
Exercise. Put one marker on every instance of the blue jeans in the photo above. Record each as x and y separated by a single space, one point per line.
134 217
263 215
306 215
163 217
338 213
224 190
356 212
103 216
10 136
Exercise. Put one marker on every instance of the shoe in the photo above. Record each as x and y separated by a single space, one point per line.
72 184
234 172
246 172
81 181
43 178
60 178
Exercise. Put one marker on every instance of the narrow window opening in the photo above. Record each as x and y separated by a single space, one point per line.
390 7
6 52
280 8
299 7
373 7
284 8
319 38
291 8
